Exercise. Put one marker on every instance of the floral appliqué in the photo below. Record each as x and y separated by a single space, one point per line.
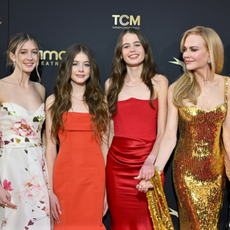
23 129
33 190
4 222
7 185
6 112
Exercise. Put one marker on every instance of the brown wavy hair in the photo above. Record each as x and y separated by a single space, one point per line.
94 97
187 86
118 70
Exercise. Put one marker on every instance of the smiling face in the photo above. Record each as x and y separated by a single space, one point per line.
132 51
26 57
195 53
80 69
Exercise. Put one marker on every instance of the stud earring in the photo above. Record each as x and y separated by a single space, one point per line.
209 61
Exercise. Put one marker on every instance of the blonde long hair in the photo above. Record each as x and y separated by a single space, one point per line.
16 42
187 86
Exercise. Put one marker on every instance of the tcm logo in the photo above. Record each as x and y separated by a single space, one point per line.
125 20
51 58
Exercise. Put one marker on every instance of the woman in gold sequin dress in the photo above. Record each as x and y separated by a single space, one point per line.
198 102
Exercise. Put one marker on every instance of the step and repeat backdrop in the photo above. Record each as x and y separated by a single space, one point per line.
57 24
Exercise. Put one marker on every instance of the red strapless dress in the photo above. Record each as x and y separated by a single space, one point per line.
135 125
79 175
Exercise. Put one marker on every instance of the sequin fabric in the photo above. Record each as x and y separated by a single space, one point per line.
198 166
157 204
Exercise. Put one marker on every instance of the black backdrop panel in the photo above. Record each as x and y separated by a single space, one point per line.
60 23
3 36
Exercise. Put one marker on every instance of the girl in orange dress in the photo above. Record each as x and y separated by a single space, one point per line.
77 115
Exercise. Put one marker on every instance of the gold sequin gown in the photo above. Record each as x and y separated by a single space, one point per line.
198 166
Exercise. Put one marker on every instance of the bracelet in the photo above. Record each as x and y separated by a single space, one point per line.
158 168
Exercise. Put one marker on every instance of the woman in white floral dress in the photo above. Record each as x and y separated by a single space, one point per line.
24 203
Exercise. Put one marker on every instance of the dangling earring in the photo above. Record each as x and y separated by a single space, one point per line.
209 61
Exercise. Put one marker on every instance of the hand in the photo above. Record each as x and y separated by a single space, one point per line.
147 170
55 207
144 186
105 207
5 199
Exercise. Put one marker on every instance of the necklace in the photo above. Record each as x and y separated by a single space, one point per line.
76 98
134 84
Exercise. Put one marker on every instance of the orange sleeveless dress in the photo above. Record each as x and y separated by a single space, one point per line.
79 175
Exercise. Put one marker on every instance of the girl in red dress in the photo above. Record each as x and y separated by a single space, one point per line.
137 101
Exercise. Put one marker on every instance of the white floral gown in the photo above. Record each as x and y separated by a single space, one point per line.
22 169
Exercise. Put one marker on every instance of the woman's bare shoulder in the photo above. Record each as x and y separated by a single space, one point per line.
160 82
50 100
107 85
160 79
41 90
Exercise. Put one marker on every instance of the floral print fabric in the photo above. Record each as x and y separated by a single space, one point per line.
22 169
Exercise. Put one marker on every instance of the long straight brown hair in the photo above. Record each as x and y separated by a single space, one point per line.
118 70
93 95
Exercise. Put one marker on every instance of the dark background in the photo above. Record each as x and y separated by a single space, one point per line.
57 24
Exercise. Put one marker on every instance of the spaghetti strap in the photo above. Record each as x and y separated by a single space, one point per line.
226 89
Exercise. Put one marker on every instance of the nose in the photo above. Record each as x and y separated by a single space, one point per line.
132 47
186 53
29 56
81 68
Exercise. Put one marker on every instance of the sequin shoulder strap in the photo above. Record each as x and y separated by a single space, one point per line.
226 89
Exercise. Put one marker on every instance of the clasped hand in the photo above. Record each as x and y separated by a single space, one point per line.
145 174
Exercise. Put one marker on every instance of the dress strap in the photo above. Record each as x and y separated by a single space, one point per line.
226 89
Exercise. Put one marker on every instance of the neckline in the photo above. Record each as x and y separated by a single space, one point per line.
23 107
77 112
206 111
225 98
139 99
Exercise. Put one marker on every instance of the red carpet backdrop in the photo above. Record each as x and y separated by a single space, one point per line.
57 24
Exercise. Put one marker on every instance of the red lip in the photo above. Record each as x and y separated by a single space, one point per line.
80 75
133 56
188 62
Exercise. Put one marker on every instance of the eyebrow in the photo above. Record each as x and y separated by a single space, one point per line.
78 61
129 43
192 47
27 49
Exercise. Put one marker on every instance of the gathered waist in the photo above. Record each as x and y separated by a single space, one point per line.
130 150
